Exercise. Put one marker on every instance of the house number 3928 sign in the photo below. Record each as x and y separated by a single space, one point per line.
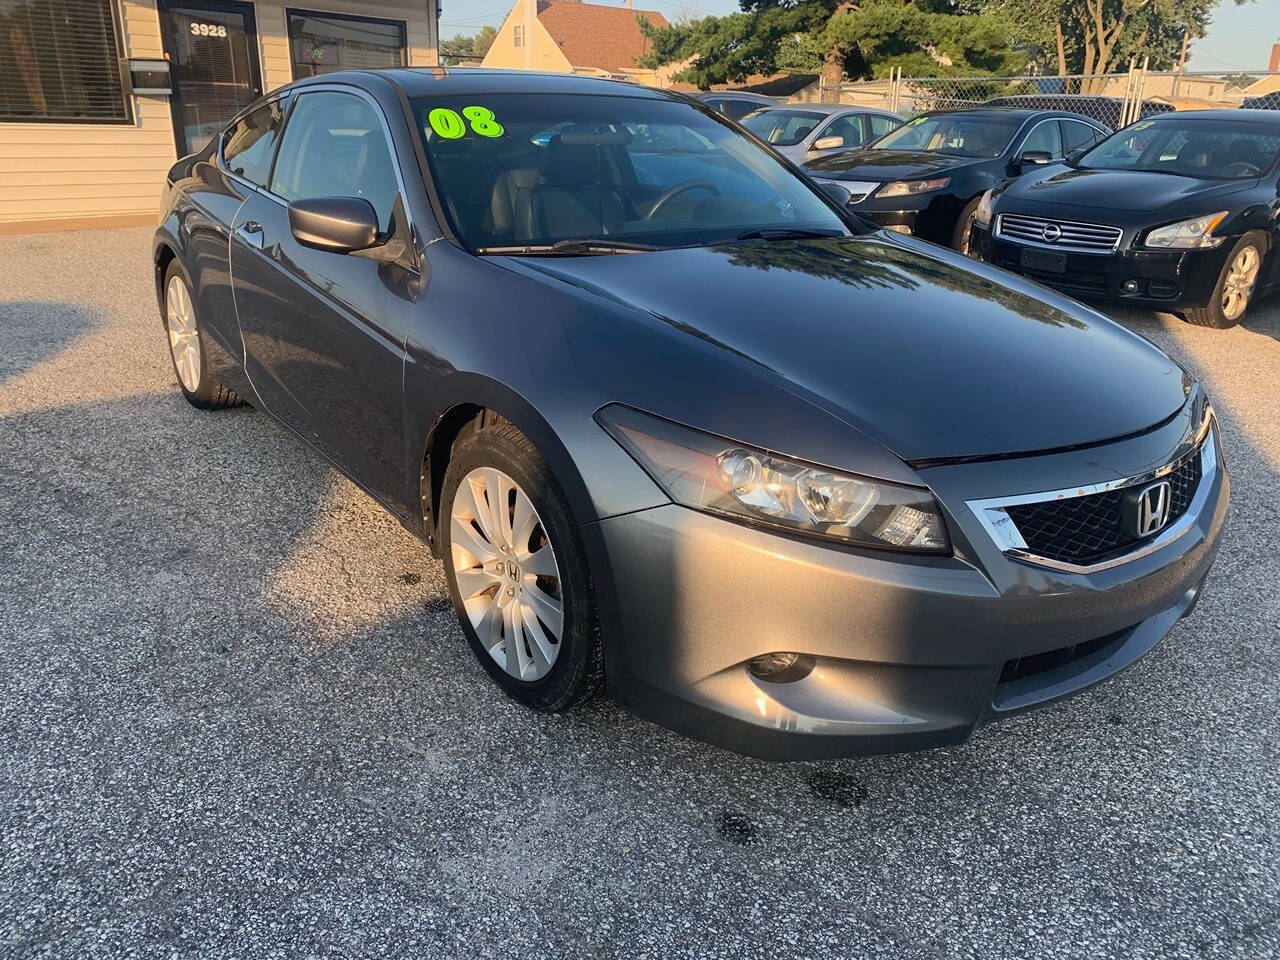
208 30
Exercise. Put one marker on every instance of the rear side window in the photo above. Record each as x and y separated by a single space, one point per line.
335 147
248 144
737 109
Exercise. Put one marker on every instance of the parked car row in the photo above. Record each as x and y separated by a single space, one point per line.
681 426
1177 212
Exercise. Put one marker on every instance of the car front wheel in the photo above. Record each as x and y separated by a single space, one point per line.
517 570
1235 287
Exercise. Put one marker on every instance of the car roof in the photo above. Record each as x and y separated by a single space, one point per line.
825 108
447 81
733 95
1260 118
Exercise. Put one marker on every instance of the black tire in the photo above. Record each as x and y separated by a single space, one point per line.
209 393
1214 315
577 674
960 237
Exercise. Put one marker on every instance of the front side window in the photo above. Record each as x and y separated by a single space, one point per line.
1205 149
882 125
60 60
782 128
954 134
1076 136
334 146
1045 138
847 128
248 144
326 42
538 169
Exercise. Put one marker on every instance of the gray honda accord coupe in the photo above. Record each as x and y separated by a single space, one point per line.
678 426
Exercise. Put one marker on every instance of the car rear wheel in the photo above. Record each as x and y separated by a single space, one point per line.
960 240
1235 287
517 570
186 347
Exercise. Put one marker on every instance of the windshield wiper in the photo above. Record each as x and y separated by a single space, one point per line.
569 248
786 233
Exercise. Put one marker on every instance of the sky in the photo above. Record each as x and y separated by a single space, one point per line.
1240 37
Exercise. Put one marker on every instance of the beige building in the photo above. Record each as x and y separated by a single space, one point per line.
568 36
82 142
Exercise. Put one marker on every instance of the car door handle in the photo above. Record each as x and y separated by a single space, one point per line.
251 233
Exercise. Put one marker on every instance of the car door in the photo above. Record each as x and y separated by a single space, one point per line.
216 189
325 332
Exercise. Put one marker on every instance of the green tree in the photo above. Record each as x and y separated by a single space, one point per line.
462 47
840 37
484 40
1101 36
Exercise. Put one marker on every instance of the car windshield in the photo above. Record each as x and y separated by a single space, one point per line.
782 128
955 134
535 170
1205 149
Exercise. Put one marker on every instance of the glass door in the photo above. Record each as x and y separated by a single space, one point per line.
212 46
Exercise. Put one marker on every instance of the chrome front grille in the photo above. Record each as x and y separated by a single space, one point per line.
1059 234
1082 529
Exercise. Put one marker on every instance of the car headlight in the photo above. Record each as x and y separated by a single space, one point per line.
909 188
982 216
710 473
1187 234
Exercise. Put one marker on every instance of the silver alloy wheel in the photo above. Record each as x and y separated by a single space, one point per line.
1242 275
506 573
184 340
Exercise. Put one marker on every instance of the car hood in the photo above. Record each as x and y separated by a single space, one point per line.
1117 189
886 165
929 357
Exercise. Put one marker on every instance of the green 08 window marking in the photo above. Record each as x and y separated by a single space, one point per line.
449 125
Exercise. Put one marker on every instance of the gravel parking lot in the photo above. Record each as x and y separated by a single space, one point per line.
237 720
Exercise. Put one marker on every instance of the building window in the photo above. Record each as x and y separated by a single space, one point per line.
60 60
518 35
325 42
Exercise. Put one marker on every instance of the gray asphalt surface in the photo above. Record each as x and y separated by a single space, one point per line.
237 720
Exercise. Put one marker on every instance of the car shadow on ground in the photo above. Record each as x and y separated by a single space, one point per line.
37 330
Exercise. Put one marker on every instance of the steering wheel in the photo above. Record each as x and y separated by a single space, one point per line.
684 186
1242 168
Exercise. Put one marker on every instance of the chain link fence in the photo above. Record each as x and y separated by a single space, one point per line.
1114 99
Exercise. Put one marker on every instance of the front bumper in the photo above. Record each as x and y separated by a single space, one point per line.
911 652
929 216
1155 279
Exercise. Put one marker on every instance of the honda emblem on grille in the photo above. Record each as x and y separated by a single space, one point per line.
1149 511
1052 233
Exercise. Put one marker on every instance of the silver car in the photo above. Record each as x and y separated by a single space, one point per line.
813 130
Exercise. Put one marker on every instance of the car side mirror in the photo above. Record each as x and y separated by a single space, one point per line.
1035 158
828 143
335 224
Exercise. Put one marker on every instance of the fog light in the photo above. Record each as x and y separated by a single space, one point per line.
1129 286
781 667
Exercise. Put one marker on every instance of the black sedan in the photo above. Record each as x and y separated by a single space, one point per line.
676 424
1177 213
926 177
